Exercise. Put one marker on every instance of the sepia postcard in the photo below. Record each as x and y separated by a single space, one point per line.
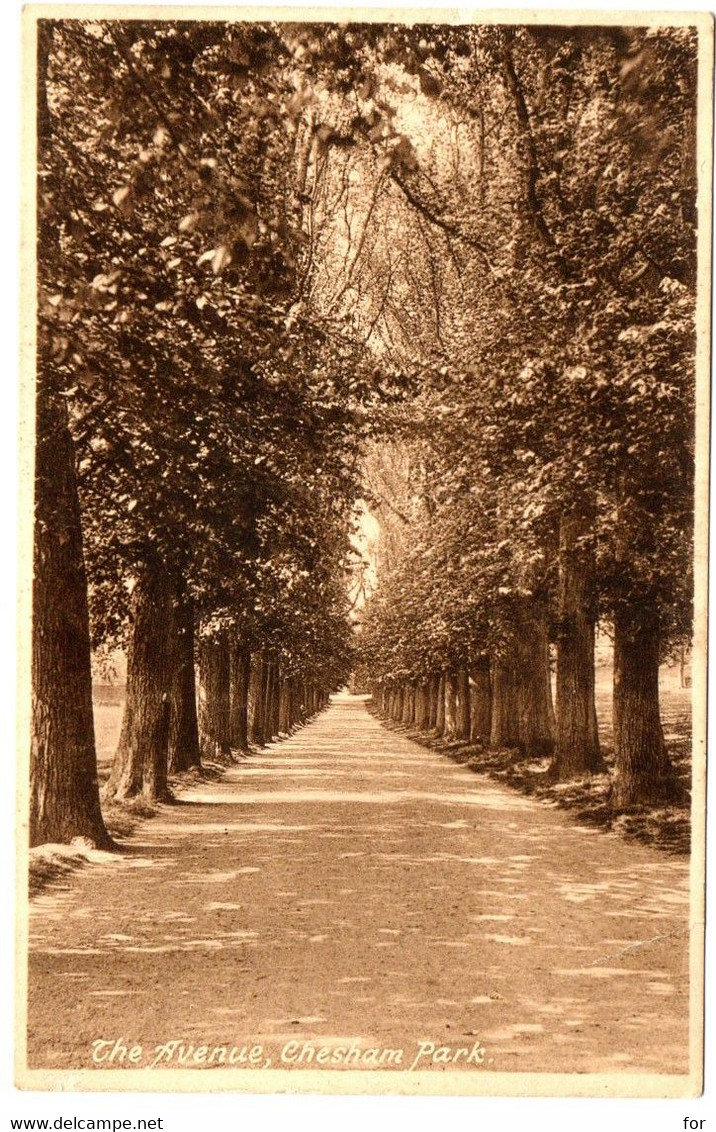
365 415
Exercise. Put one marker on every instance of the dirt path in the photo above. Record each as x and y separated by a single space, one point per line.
349 886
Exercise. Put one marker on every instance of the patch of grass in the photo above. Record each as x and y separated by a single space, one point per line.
45 870
51 862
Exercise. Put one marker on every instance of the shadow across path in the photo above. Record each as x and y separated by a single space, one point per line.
347 885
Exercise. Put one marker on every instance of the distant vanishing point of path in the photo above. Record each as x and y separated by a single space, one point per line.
348 886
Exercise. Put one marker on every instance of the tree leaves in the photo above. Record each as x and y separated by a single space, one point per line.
552 375
216 431
501 275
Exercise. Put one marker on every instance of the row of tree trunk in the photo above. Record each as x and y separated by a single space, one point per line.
502 701
172 720
245 698
505 700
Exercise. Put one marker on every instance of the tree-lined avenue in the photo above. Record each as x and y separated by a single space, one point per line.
347 886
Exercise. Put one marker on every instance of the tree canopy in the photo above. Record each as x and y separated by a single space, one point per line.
269 250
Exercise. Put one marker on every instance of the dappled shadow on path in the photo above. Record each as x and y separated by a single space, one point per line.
348 885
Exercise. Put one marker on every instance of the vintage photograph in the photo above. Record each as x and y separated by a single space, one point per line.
366 390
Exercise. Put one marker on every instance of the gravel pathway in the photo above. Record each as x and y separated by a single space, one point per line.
349 891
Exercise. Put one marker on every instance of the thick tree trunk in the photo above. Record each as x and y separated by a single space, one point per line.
272 699
257 722
480 697
284 708
277 682
577 739
504 729
296 704
64 794
214 698
183 724
534 686
450 726
239 697
422 706
399 703
433 694
440 712
298 708
643 774
140 763
522 713
462 705
265 693
408 704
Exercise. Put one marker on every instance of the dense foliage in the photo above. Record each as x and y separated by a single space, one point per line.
261 245
555 430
